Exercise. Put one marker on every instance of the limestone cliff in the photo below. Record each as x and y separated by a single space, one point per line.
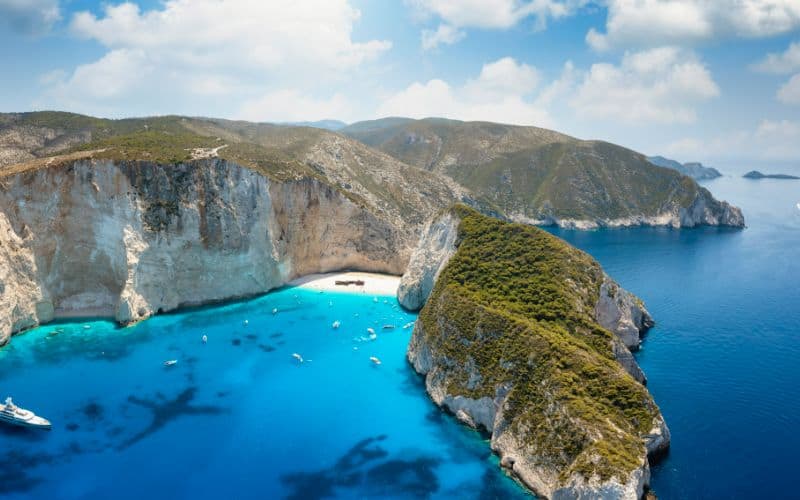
617 310
436 245
520 336
128 239
540 176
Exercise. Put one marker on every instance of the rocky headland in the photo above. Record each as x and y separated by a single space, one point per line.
525 338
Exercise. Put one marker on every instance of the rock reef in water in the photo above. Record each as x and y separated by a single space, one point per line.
755 174
521 336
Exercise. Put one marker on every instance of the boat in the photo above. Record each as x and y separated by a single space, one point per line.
297 357
349 282
205 339
275 310
375 360
370 331
14 415
388 327
336 324
171 362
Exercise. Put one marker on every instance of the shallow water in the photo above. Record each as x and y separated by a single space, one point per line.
722 361
237 417
240 418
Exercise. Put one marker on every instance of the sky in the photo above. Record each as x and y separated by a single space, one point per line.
716 81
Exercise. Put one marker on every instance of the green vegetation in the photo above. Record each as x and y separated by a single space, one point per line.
530 171
517 304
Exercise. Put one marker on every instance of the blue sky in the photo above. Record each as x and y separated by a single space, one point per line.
716 81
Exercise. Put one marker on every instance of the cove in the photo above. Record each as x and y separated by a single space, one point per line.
237 417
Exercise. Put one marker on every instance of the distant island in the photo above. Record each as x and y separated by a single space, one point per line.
755 174
695 170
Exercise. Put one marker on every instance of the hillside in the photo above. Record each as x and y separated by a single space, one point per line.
537 175
511 341
405 168
402 193
695 170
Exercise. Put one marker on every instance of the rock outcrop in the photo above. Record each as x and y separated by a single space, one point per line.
435 247
704 210
132 239
514 340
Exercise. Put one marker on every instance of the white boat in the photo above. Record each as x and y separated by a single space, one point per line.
370 331
336 324
205 339
388 327
375 360
14 415
275 310
171 362
297 357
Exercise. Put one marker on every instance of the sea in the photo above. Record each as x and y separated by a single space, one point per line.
240 416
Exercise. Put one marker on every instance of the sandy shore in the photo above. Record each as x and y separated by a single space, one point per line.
374 284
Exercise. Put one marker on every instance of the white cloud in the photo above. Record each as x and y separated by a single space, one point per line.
771 140
637 23
501 92
781 63
496 14
444 34
789 93
654 86
238 49
486 14
30 16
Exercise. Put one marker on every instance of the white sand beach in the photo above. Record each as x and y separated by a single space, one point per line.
374 284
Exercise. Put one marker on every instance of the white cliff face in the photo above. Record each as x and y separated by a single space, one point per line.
436 246
129 240
703 211
488 414
23 303
625 315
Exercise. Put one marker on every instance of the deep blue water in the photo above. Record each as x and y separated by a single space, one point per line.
240 418
237 417
723 361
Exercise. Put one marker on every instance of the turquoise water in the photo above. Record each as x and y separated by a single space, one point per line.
723 361
237 417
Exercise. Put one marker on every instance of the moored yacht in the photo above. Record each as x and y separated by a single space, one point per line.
14 415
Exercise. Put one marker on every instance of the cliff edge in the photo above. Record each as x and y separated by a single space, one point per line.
515 339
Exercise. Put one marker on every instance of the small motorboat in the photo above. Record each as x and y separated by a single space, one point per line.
205 339
245 322
408 325
388 327
336 324
375 360
171 362
297 357
275 310
370 331
14 415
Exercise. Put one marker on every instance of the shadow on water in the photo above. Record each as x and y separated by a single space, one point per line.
18 471
367 468
165 411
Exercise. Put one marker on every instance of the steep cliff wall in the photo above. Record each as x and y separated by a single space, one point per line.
130 239
523 336
617 310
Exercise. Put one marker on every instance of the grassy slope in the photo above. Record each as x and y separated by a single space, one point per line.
519 302
530 171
